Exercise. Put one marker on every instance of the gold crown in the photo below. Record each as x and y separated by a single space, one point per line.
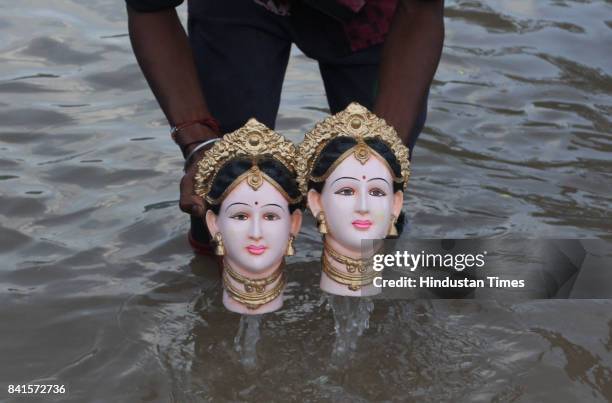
253 140
356 122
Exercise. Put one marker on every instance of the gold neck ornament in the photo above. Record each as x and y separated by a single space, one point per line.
354 281
254 294
352 265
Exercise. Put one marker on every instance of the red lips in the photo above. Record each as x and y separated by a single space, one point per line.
256 249
362 224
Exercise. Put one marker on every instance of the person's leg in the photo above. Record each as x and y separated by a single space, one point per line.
241 52
354 78
347 76
351 78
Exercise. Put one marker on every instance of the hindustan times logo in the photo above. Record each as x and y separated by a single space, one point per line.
411 261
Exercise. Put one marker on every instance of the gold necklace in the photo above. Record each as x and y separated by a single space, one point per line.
249 284
254 300
353 281
351 264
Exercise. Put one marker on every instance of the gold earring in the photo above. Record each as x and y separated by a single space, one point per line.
392 227
219 248
322 223
290 250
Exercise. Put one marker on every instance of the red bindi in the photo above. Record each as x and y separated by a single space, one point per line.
363 177
256 203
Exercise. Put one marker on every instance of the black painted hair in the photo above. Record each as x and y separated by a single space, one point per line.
336 147
236 167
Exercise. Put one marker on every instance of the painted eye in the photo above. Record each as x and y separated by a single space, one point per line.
240 216
345 192
271 217
377 192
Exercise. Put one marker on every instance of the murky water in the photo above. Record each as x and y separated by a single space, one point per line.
100 291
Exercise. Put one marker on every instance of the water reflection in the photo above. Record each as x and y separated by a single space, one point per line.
245 342
351 319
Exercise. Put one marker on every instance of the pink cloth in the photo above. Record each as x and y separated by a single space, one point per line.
354 5
368 27
371 24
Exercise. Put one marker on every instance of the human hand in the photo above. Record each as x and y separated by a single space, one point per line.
189 202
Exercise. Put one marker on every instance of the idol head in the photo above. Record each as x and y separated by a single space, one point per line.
358 197
257 213
248 180
354 169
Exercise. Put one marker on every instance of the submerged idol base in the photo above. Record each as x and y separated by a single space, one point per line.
331 287
235 306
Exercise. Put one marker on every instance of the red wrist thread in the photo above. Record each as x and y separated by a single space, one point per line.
211 123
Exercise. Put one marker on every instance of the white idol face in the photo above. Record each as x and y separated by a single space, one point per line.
255 226
358 201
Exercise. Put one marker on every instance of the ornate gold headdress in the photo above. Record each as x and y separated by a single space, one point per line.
254 140
356 122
